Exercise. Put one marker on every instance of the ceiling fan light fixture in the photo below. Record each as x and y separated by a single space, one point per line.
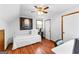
41 9
40 13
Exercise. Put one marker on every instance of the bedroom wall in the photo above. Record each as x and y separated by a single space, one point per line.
55 28
7 14
16 23
56 24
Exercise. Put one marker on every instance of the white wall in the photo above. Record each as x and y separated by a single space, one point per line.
55 28
15 24
8 13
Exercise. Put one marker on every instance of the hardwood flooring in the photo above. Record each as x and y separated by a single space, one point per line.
43 47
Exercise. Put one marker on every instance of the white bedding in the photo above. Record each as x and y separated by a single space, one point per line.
23 40
65 48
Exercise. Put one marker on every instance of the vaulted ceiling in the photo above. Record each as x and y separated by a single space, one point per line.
54 10
10 12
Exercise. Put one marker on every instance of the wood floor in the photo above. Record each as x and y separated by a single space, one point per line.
43 47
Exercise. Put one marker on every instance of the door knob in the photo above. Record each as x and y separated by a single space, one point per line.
63 32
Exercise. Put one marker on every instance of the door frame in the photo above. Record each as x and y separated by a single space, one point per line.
3 38
62 19
50 26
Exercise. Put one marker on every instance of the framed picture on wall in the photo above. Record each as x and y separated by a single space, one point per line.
39 24
25 23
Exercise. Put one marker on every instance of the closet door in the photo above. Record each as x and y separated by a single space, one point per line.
1 40
71 27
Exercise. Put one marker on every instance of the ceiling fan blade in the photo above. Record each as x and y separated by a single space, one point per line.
46 8
35 6
45 12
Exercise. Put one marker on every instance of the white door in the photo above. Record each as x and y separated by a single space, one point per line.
71 27
48 29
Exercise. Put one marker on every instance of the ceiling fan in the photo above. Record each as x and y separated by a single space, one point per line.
40 9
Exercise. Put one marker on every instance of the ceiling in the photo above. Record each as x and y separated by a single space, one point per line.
10 12
54 10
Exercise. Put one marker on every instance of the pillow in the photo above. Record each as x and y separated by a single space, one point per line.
34 32
22 32
59 42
